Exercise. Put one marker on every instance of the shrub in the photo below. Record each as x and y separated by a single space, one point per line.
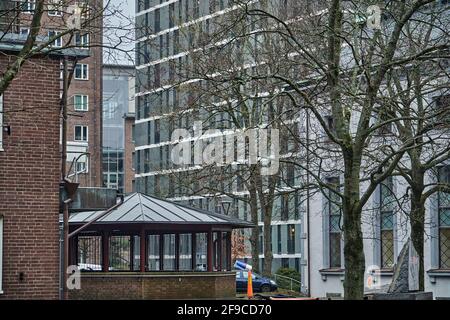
288 272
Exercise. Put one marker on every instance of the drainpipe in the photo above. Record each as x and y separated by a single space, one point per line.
64 121
66 246
308 206
63 238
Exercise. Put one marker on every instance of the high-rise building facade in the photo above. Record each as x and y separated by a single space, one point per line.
162 35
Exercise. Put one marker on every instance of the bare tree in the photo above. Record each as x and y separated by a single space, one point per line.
418 94
348 63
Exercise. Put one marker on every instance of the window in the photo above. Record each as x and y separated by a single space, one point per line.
89 253
54 8
387 128
157 26
444 219
81 71
279 239
387 223
169 251
154 253
330 123
1 253
441 109
291 238
216 251
1 122
285 206
24 31
80 102
225 249
261 240
334 224
185 251
120 253
81 133
28 6
201 251
58 41
80 167
110 109
81 39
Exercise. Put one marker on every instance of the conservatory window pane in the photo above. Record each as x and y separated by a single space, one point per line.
153 252
120 253
137 253
201 252
224 252
90 253
185 251
169 251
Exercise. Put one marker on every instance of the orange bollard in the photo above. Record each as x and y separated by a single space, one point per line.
249 285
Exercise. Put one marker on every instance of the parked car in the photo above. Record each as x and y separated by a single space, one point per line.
260 283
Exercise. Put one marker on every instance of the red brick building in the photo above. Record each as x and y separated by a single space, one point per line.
84 126
30 166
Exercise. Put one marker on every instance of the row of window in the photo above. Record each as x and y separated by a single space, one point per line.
164 252
213 5
386 223
54 7
176 13
285 237
81 40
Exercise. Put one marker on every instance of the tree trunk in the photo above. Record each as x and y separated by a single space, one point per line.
353 239
268 256
254 238
417 222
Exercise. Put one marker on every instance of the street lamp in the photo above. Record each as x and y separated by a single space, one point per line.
225 206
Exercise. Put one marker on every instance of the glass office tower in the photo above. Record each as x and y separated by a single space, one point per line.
166 31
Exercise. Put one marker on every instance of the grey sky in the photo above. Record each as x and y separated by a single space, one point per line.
118 31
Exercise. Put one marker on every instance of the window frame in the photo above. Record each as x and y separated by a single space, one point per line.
87 72
22 29
440 227
54 6
98 242
386 210
86 103
29 6
82 44
330 215
82 133
54 43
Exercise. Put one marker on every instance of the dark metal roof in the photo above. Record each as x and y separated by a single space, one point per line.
141 208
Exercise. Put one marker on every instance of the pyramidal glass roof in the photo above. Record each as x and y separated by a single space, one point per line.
141 208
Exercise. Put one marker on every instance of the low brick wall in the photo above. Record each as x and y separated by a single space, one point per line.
137 286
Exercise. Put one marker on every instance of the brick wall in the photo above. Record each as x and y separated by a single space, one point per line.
128 155
29 181
156 286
